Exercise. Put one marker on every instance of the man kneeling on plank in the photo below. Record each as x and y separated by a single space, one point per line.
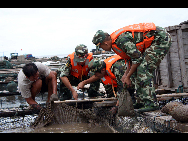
34 78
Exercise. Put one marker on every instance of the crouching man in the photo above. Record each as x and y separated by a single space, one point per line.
34 78
110 71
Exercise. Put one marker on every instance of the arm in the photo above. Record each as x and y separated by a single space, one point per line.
132 70
129 63
66 82
88 81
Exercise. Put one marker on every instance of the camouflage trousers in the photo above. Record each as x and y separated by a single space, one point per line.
151 59
65 93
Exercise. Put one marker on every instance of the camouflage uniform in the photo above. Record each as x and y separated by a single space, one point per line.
65 93
149 60
118 69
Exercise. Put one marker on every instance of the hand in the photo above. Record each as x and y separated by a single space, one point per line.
123 77
80 85
75 95
114 110
127 80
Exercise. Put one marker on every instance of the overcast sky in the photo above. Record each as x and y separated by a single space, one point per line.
56 31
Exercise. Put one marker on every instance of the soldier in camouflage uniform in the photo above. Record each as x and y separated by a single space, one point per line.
71 74
118 68
142 64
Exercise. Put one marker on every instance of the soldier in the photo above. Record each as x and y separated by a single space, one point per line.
145 45
110 71
34 78
75 71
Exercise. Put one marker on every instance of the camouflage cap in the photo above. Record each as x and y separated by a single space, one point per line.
98 38
81 53
95 65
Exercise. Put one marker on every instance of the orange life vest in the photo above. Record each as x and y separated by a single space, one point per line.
110 77
77 70
141 27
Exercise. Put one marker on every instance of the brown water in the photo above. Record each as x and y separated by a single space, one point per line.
73 128
63 128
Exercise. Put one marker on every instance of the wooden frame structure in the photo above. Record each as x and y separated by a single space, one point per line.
173 69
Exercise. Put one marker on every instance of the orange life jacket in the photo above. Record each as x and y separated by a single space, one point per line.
77 70
110 77
141 27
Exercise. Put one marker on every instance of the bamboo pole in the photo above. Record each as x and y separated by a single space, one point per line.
169 96
172 95
84 100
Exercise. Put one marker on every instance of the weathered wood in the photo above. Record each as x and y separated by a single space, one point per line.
17 113
85 100
105 104
169 73
182 58
184 26
9 93
173 95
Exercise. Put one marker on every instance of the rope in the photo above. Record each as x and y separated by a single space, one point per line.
113 89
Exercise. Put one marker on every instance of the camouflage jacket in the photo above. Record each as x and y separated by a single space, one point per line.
118 69
65 70
126 43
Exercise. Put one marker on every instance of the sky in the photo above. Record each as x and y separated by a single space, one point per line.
57 31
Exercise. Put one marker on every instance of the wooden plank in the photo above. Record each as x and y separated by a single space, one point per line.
9 93
172 95
85 100
169 73
182 58
184 26
18 113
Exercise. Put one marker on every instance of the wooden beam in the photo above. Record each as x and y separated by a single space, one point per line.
85 100
173 95
182 58
170 96
9 93
17 113
169 70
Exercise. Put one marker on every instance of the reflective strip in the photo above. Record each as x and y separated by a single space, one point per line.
103 79
75 63
111 60
86 62
108 72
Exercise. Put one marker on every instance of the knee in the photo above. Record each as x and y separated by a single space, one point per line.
54 73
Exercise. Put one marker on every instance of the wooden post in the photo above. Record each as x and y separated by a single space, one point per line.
182 58
169 71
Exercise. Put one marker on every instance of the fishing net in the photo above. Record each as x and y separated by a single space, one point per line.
62 113
125 104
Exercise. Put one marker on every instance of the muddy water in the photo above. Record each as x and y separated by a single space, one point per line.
63 128
22 125
73 128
